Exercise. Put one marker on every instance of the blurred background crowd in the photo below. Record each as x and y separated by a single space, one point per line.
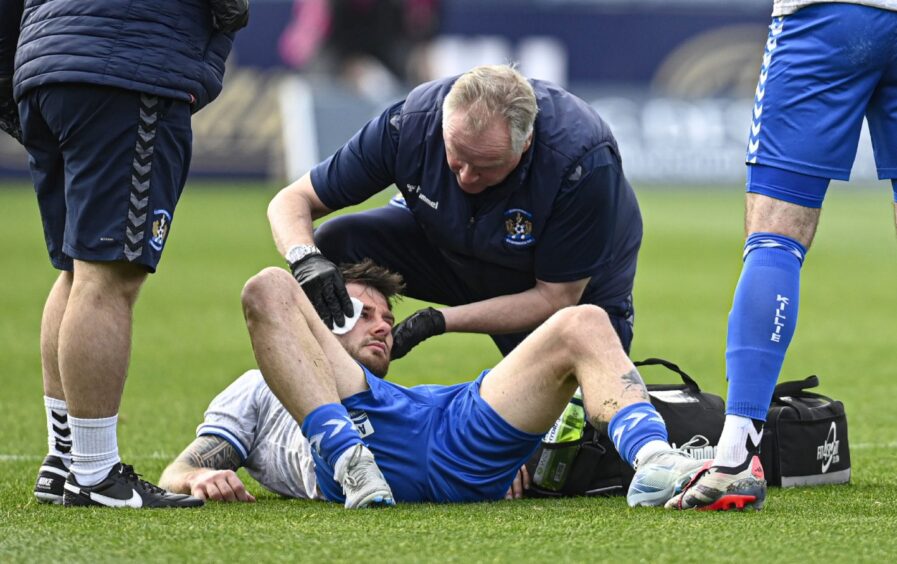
674 78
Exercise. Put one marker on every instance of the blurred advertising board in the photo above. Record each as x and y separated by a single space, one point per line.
674 78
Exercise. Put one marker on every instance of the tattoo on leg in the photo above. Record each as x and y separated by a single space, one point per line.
632 382
210 452
611 405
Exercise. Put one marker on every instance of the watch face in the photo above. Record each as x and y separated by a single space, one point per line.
299 252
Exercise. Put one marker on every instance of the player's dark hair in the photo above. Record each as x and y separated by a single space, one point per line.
368 273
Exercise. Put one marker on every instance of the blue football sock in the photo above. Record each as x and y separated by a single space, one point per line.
762 321
634 426
330 431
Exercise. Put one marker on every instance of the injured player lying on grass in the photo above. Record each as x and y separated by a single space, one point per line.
363 441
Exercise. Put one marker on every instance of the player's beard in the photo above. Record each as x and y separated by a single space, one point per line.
377 364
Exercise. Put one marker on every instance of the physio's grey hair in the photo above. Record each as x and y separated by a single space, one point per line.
494 90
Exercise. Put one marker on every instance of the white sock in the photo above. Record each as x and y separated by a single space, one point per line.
648 449
59 435
94 448
733 443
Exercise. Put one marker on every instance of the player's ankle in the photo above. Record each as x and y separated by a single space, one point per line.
740 439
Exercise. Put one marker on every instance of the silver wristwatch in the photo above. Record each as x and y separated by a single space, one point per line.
299 252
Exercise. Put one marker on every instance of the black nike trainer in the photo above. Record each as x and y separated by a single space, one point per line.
50 480
124 488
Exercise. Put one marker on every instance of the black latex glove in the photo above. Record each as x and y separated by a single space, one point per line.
9 112
324 285
230 15
415 329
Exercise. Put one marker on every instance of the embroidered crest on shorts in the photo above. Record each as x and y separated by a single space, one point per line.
161 223
519 228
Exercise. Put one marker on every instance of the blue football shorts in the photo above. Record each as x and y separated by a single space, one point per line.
826 67
435 443
108 167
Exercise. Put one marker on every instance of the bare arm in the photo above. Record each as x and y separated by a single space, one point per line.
291 213
206 469
515 312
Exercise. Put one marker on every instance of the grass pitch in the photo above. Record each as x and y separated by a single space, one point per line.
190 342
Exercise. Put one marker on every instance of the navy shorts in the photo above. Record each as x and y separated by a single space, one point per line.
826 67
108 167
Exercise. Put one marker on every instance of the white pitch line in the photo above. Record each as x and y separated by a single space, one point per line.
39 457
165 456
864 446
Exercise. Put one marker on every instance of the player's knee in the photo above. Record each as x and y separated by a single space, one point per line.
338 236
109 279
582 328
773 244
263 291
795 220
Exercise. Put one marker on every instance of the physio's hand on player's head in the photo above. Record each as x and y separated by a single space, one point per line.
415 329
324 285
218 485
9 112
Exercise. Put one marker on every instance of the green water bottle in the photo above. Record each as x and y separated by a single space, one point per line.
555 463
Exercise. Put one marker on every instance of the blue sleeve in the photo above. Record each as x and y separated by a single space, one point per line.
363 166
581 235
9 33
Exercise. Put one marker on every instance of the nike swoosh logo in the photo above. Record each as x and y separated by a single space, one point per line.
135 501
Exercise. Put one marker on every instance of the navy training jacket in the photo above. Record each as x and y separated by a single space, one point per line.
565 213
164 47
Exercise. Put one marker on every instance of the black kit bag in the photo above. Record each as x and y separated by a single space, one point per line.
694 421
805 438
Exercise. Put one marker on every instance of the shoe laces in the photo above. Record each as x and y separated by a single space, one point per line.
358 469
696 441
128 473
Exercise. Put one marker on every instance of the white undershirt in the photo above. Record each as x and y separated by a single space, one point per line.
785 7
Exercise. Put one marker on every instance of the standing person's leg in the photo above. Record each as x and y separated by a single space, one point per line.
579 346
48 174
805 132
94 349
55 467
123 158
762 323
309 371
764 312
51 319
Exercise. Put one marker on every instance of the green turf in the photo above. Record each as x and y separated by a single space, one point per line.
190 342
